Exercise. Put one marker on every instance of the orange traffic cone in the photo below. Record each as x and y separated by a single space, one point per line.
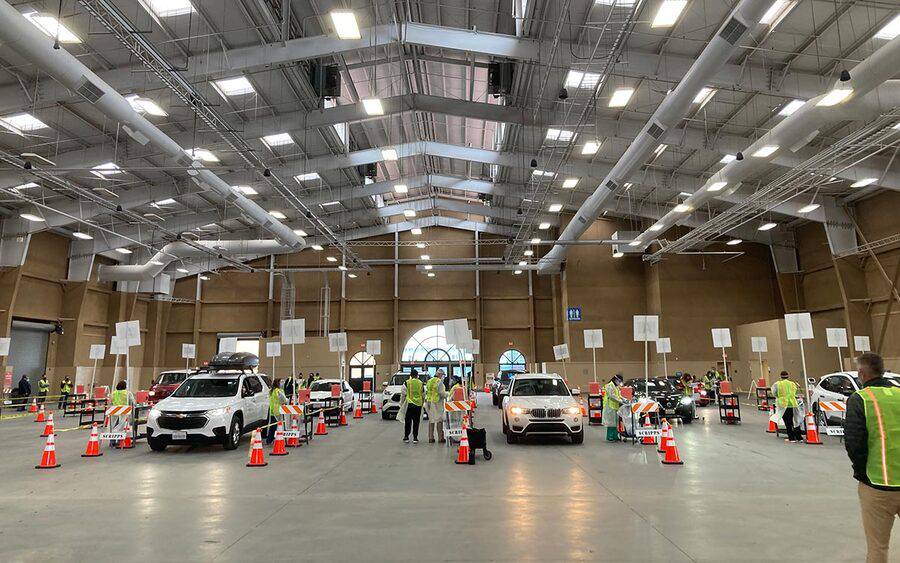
773 426
343 417
320 425
40 415
127 443
672 457
648 440
294 440
48 459
357 413
257 457
373 410
93 446
487 388
812 432
33 407
278 448
462 454
48 428
664 437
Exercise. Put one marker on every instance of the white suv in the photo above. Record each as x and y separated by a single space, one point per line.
321 390
839 386
541 404
216 406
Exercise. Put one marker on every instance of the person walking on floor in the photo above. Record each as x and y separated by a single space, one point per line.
435 395
787 409
24 391
43 388
412 393
65 389
612 400
872 441
276 399
119 398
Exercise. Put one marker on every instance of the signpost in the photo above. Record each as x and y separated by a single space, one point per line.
593 339
129 333
561 354
798 326
273 350
117 347
188 352
293 332
96 353
664 346
646 329
337 342
758 344
722 339
837 338
861 344
228 345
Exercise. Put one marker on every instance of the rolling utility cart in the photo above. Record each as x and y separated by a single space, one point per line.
729 408
595 405
366 396
333 406
764 398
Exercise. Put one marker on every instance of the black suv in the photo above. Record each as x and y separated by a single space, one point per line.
501 382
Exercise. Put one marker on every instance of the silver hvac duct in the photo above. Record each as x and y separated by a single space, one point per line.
670 112
18 34
178 250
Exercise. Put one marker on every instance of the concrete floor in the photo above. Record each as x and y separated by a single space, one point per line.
361 494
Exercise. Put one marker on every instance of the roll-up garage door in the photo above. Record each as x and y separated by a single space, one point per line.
28 350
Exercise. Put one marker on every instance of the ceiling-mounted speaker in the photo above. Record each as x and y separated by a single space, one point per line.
500 78
325 80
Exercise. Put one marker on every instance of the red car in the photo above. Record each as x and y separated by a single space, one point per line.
167 383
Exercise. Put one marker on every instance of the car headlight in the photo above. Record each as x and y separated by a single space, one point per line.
686 400
572 410
154 412
518 410
152 393
218 412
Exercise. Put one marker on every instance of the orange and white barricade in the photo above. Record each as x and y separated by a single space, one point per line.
639 409
290 412
453 416
836 408
116 431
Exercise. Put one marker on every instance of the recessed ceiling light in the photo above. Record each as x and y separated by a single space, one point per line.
578 79
528 253
682 208
237 86
425 257
123 251
409 213
342 268
790 107
389 154
144 105
351 275
430 274
168 8
535 241
618 254
728 158
765 151
331 258
620 97
277 140
300 233
277 214
517 272
416 231
202 155
590 147
734 242
863 183
704 95
668 13
317 247
31 217
25 186
345 24
21 123
106 169
204 278
523 263
373 106
808 208
560 135
543 226
401 188
835 96
716 186
309 176
570 183
82 236
181 270
891 30
52 27
554 207
767 226
246 190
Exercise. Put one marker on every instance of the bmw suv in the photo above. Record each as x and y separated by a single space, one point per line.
541 404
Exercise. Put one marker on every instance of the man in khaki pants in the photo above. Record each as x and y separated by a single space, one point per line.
872 440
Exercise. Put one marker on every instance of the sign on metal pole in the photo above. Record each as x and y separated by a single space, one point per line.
273 349
759 344
593 338
188 351
663 345
373 347
798 326
721 337
129 332
561 352
97 351
862 344
646 328
337 342
837 337
455 331
293 331
228 344
117 346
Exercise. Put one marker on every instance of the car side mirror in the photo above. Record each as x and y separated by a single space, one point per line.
504 392
383 384
576 391
246 393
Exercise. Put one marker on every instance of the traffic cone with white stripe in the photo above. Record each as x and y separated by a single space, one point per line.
373 410
278 448
48 458
48 428
357 413
93 446
294 440
257 457
463 453
321 430
41 415
773 426
664 436
32 408
812 432
672 457
343 417
127 443
648 440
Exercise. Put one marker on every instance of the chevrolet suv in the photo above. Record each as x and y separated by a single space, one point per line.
541 404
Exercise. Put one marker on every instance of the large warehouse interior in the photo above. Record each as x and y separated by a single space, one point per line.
610 280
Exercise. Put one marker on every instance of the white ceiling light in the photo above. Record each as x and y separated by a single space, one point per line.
891 30
52 27
668 13
728 158
277 214
425 257
560 135
32 217
317 247
627 186
246 190
704 96
167 201
578 79
835 96
863 183
409 213
144 105
204 278
351 275
21 123
168 8
330 203
373 106
106 169
544 226
421 245
734 242
430 274
401 188
765 151
331 258
620 97
300 233
157 263
25 186
345 24
791 107
535 241
237 86
389 154
635 242
416 231
554 207
517 272
655 228
181 270
528 253
123 251
682 208
716 186
523 263
309 176
570 183
777 12
202 155
618 254
543 173
590 147
277 140
808 208
767 226
82 236
342 268
659 150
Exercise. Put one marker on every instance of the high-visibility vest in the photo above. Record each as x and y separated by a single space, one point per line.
785 393
613 397
66 386
414 391
43 385
882 408
275 401
431 390
119 397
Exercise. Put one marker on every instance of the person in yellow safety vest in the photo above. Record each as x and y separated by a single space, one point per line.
43 388
276 399
687 382
65 389
612 400
119 398
435 394
787 408
413 395
872 441
708 381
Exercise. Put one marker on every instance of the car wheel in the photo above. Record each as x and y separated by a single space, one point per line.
505 428
385 416
687 419
233 438
578 438
156 445
511 437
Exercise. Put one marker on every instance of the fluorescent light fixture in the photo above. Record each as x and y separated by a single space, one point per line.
863 183
560 135
168 8
808 208
25 186
429 267
144 105
836 96
578 79
52 27
682 208
517 272
620 97
543 226
373 106
409 213
421 245
668 13
331 258
655 228
416 231
528 253
351 275
167 201
791 107
106 169
659 150
317 247
523 263
591 147
181 270
777 12
300 233
704 95
685 194
342 268
401 188
765 151
891 30
535 241
728 158
82 236
734 242
157 263
246 190
237 86
425 257
389 154
430 274
202 155
570 183
767 226
123 250
21 123
204 278
330 203
32 217
277 140
716 186
345 24
309 176
618 254
543 173
627 186
555 207
277 214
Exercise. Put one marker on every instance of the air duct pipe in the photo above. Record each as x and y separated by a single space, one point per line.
19 35
867 100
669 113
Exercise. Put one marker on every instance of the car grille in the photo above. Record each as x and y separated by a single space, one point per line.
181 420
548 427
545 413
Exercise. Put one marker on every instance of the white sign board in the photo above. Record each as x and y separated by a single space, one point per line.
228 344
561 352
721 337
97 351
117 346
293 331
373 347
837 337
664 346
646 328
798 326
129 332
759 344
273 349
593 338
455 331
475 347
4 346
861 343
188 351
337 342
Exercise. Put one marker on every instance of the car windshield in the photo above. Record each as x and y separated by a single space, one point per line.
399 378
171 378
208 387
540 388
654 385
322 386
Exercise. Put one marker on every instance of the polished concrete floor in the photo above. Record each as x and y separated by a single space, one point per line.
360 494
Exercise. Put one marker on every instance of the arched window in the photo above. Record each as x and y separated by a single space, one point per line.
512 359
362 364
429 344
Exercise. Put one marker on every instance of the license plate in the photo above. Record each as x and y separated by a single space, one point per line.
179 435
